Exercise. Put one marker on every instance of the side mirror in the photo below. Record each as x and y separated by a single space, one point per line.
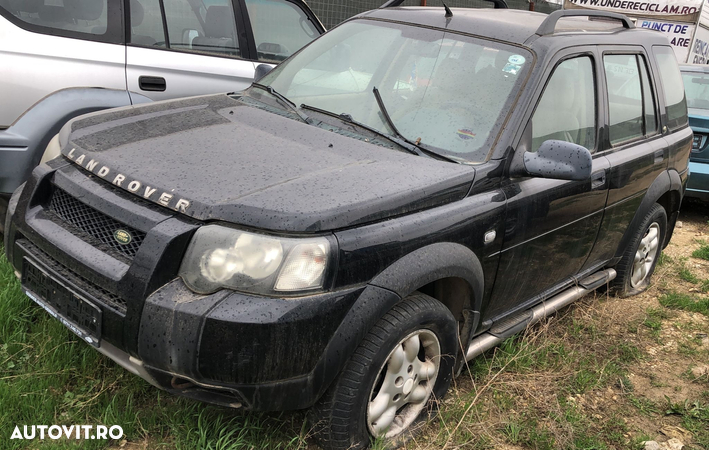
261 71
559 160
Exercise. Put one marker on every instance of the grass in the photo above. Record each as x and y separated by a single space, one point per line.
702 252
686 302
48 376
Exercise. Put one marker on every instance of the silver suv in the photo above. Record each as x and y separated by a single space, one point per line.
56 54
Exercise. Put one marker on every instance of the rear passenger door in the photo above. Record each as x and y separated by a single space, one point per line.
634 144
47 46
180 48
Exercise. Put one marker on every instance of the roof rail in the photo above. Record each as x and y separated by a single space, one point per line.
549 25
499 4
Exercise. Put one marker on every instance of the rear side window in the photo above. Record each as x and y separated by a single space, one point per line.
630 100
280 28
87 19
567 109
672 86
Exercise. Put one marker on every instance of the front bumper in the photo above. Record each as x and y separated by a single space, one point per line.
698 184
227 348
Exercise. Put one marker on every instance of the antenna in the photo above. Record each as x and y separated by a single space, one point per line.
449 13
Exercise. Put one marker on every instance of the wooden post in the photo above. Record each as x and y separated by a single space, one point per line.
423 2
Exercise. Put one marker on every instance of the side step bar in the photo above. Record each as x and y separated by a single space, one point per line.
484 342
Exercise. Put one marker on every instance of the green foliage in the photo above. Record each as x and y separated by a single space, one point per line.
702 252
686 302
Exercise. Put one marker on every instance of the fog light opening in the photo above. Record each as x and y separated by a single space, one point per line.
181 383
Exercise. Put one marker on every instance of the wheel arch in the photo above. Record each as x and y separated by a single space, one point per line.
33 130
664 190
451 271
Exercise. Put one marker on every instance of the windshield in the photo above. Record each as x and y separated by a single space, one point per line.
696 85
443 90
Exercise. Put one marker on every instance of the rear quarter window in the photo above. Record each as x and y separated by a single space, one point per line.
95 20
672 87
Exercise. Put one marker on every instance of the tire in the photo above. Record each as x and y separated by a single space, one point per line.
640 257
346 416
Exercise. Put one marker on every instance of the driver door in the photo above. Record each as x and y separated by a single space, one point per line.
551 225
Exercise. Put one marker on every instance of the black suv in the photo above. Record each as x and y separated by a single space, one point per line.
395 199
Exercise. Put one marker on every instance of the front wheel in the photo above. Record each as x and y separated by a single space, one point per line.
394 379
641 256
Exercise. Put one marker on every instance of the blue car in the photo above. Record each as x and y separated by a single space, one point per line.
696 85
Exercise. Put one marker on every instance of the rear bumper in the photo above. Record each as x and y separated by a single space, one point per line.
698 184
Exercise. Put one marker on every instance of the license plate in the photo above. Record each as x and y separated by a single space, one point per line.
81 316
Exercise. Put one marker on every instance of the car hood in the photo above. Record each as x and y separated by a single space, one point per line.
216 158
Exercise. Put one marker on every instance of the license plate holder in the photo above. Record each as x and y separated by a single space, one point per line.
74 311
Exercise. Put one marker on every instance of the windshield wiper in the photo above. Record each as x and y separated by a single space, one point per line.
283 100
416 147
349 119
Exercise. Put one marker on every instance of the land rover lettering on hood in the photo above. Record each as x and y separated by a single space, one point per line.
392 201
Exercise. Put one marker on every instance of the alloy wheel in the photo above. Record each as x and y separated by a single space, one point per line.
404 384
645 255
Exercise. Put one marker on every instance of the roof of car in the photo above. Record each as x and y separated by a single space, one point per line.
509 25
694 68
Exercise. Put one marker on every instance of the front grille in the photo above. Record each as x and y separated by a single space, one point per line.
96 224
98 293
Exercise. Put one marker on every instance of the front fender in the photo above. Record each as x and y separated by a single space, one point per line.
22 145
431 263
406 275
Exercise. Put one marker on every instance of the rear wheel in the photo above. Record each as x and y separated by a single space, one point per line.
641 256
394 379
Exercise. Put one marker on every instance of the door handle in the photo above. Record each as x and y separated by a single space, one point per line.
659 156
598 179
155 84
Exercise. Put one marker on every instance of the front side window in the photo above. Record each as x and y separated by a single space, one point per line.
280 28
204 27
146 23
567 109
696 86
672 86
444 90
89 17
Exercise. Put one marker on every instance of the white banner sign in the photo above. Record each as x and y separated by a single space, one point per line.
679 34
699 53
704 18
678 10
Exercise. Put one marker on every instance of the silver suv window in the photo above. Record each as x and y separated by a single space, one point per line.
192 25
280 28
88 19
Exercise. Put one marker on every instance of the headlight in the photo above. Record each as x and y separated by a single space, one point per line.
220 257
